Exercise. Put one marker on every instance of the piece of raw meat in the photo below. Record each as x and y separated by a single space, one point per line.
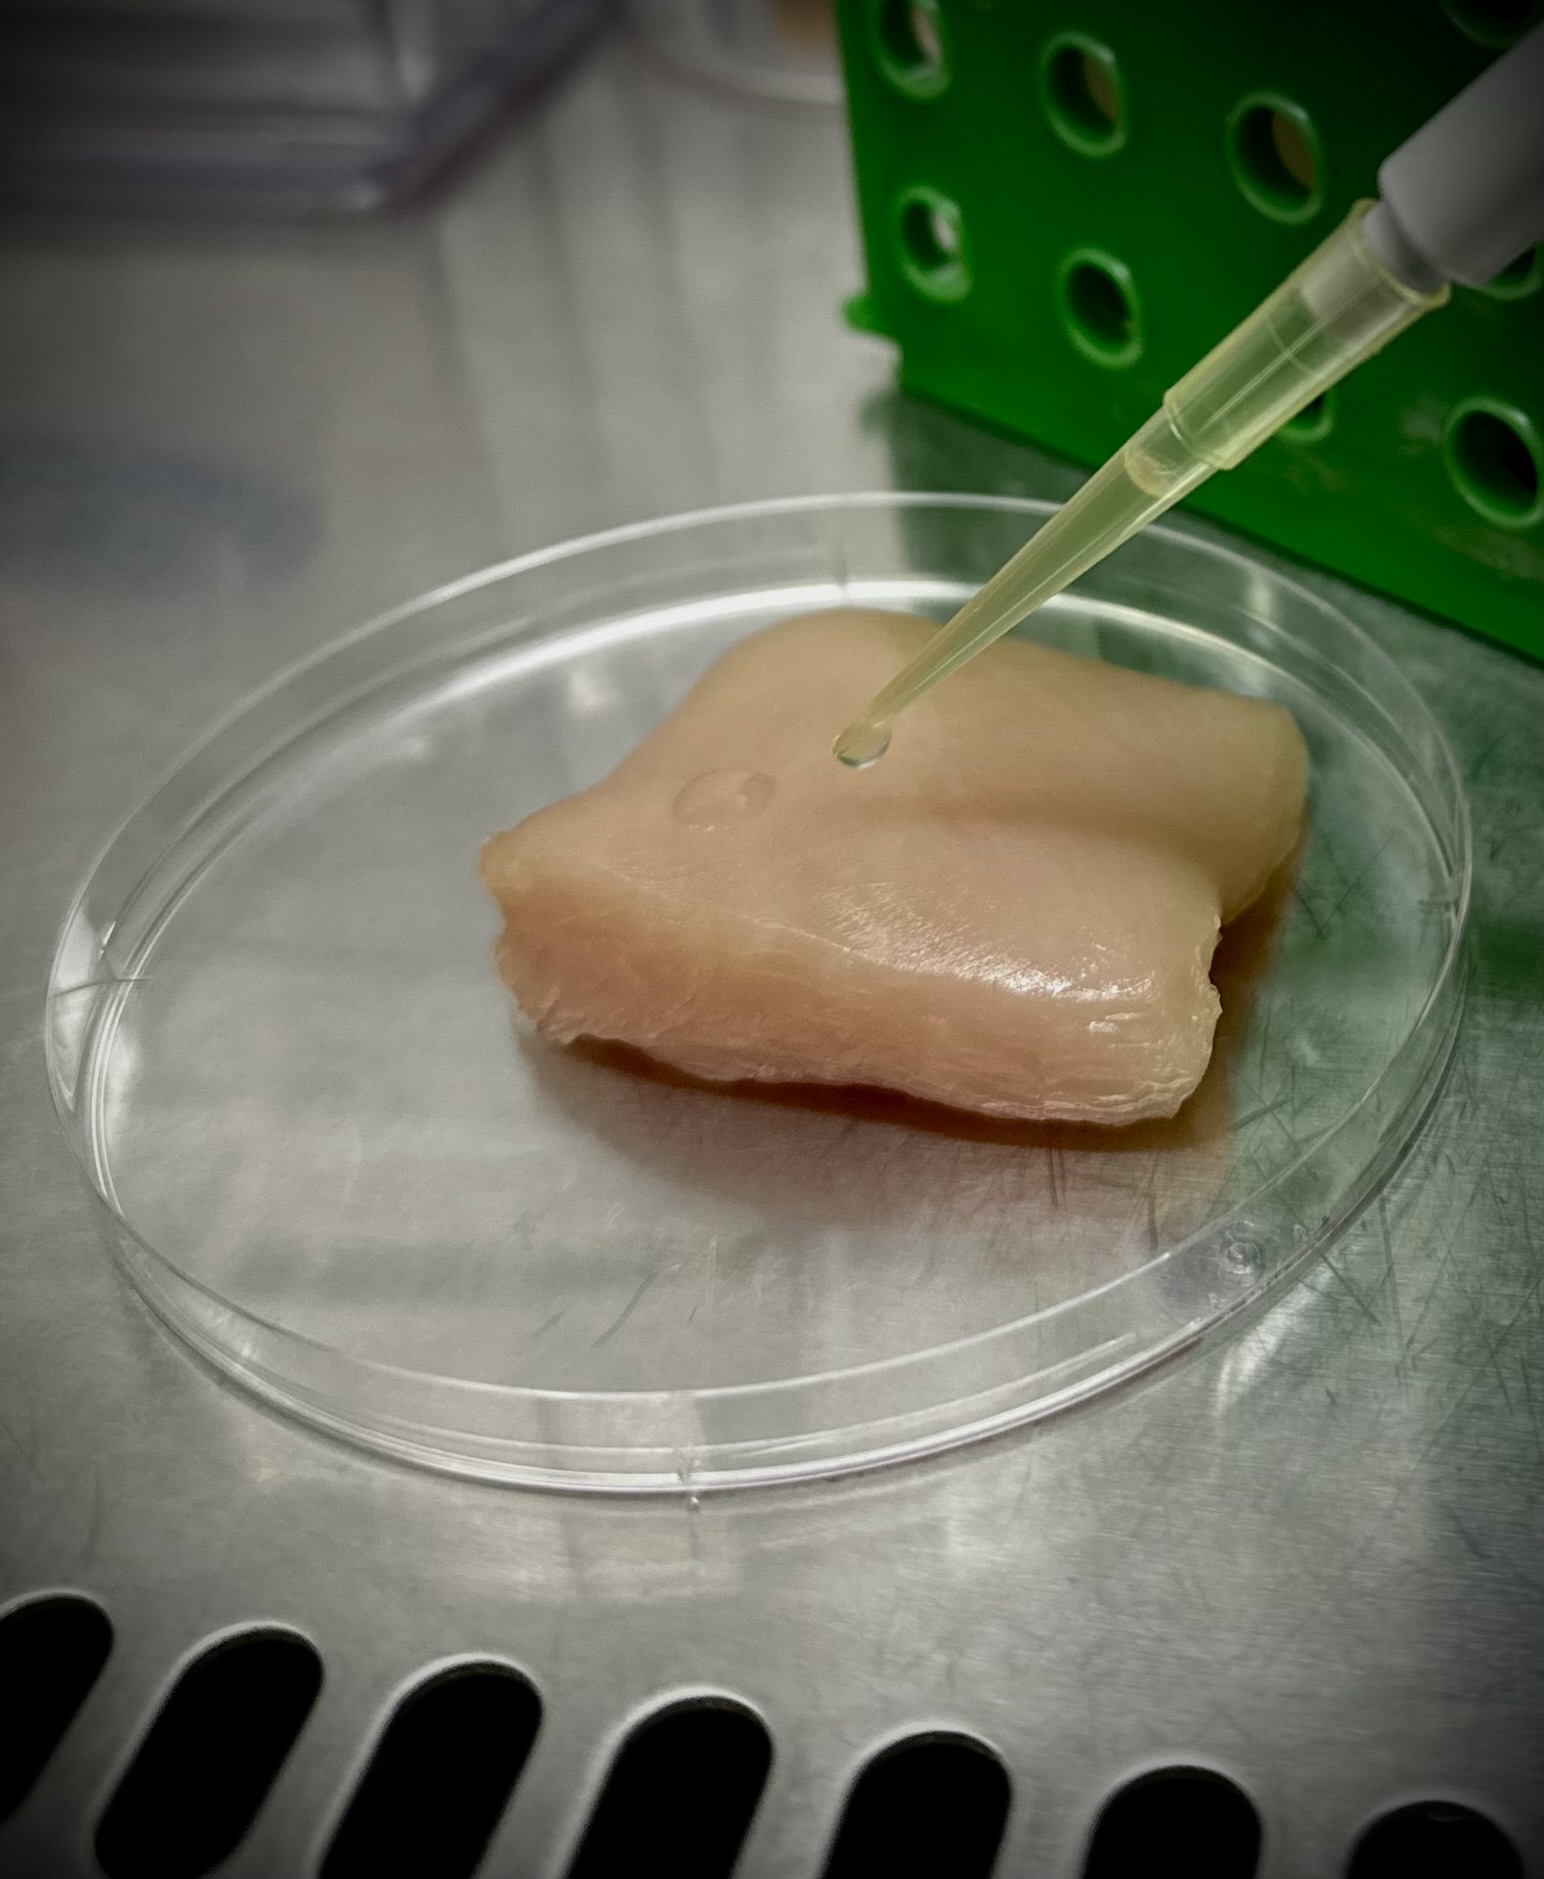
1013 913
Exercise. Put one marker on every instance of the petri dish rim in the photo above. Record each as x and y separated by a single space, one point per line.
651 1440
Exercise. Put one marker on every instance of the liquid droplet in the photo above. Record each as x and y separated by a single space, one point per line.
719 797
862 743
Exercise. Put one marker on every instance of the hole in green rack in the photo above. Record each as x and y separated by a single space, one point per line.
1518 279
909 39
1083 94
1496 462
1274 154
1099 308
932 244
1313 423
1494 24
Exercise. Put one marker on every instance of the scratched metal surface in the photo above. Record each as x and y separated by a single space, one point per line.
1311 1558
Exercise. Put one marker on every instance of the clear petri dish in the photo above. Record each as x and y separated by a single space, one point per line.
330 1159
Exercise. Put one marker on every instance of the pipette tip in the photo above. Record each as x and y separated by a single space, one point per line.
862 743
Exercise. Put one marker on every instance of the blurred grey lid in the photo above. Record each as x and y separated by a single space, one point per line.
309 104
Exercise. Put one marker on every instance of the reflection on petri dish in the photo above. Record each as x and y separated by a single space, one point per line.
335 1165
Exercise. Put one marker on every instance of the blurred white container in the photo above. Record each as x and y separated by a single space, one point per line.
782 49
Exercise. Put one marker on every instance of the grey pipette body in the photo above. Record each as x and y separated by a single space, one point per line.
1465 194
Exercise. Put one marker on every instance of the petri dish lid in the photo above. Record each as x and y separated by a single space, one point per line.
334 1164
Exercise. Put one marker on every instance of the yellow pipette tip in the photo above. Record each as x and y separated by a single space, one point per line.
864 742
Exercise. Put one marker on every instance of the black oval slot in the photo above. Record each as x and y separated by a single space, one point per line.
1434 1840
928 1807
51 1652
1188 1820
441 1776
217 1743
680 1796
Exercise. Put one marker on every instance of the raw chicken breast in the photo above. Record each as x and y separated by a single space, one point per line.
1013 913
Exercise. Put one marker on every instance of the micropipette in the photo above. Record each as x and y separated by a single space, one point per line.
1457 201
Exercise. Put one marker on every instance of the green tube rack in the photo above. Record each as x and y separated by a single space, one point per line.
1064 207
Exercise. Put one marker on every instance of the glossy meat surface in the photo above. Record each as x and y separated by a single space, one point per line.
1014 913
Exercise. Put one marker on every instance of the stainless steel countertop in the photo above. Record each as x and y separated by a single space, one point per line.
1311 1558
